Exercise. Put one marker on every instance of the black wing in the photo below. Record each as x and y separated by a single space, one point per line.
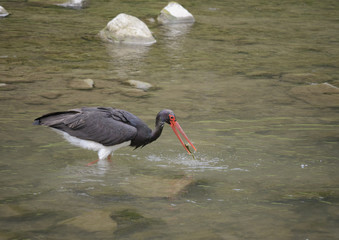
107 126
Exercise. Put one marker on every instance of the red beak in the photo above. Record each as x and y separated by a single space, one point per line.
175 126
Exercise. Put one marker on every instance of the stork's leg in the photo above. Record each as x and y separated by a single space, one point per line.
94 162
102 154
91 163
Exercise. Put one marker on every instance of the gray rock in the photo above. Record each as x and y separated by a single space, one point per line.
3 12
175 13
127 29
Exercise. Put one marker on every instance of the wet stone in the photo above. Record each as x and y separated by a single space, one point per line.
83 84
93 221
139 84
322 95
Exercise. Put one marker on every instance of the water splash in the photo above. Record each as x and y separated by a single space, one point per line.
200 163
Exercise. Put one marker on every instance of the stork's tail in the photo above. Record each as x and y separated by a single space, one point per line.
55 118
37 122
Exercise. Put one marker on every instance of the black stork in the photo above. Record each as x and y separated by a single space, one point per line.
105 129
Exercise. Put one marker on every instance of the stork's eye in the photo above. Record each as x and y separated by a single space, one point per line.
172 118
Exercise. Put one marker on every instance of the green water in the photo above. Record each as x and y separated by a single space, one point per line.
267 161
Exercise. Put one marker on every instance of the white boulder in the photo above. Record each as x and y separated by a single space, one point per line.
175 13
3 12
127 29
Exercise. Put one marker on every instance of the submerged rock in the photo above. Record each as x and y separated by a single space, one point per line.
127 29
139 185
7 210
322 95
93 221
175 13
131 221
85 84
305 77
127 55
75 4
335 83
139 84
136 93
51 95
3 12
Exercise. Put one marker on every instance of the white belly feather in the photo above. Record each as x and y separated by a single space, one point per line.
103 151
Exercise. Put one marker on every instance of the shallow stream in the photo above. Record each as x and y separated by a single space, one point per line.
254 84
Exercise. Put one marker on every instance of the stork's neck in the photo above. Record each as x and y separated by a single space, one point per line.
157 131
